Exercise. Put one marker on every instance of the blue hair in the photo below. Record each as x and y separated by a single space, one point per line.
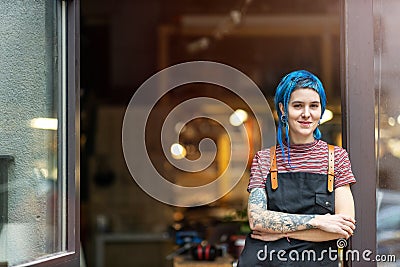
292 81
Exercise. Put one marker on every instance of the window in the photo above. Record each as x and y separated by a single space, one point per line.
387 116
37 133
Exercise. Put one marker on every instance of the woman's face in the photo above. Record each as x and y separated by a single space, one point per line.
304 110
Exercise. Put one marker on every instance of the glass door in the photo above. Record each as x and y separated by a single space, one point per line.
387 80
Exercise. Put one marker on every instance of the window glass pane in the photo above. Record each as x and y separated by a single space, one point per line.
31 139
275 38
387 71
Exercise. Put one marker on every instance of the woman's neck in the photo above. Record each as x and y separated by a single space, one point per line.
301 141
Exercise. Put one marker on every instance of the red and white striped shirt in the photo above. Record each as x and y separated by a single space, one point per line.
311 158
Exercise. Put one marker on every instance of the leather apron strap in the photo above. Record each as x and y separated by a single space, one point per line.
273 169
331 168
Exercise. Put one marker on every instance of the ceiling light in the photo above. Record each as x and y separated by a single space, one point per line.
178 151
328 115
238 117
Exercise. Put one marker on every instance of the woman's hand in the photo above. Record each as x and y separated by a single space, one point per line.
337 223
264 236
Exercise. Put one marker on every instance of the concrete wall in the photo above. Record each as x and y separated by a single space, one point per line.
27 78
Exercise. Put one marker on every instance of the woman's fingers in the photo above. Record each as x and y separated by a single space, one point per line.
338 223
347 219
349 225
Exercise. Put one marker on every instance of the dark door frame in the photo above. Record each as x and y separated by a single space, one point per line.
358 109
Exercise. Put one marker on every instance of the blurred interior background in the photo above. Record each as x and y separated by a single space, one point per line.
123 43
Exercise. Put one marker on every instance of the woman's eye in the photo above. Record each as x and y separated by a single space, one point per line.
297 105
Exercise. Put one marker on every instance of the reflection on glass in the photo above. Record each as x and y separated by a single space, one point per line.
30 152
387 71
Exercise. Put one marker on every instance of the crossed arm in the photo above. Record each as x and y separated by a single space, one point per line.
272 225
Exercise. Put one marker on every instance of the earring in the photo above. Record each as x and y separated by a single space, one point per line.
284 120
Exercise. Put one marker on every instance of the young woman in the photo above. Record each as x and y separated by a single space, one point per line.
299 204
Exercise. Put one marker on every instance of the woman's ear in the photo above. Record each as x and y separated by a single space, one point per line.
281 108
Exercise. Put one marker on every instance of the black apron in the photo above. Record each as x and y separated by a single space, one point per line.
298 193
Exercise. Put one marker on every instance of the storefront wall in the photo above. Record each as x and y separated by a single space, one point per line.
37 209
29 91
33 198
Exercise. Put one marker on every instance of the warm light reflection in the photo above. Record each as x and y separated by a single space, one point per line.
391 121
178 151
44 123
328 115
394 147
238 117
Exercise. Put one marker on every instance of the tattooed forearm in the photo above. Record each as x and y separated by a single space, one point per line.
262 219
258 197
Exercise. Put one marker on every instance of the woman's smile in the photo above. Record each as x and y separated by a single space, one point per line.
306 124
